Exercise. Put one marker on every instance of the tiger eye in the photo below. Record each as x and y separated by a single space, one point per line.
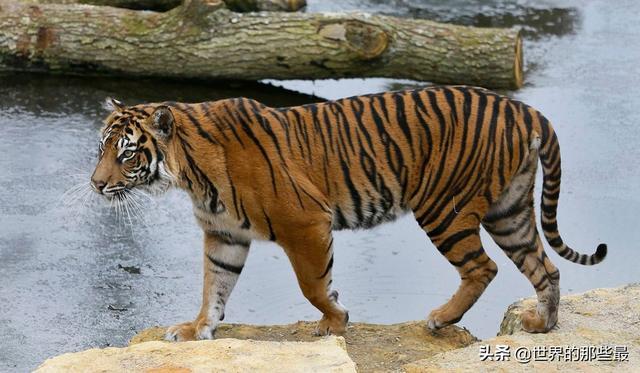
127 153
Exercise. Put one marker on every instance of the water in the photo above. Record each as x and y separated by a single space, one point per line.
68 275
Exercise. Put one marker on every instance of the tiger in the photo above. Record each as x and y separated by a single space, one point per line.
456 157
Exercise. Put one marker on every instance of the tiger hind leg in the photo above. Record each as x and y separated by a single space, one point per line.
511 223
519 239
462 247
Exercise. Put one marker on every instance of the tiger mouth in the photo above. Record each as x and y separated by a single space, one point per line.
116 192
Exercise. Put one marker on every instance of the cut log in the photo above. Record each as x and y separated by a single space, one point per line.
156 5
164 5
204 39
265 5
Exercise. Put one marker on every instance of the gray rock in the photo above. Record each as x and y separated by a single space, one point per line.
592 322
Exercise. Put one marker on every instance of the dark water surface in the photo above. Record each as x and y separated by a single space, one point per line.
75 277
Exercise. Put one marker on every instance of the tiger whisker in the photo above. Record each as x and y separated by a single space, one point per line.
125 205
74 193
136 207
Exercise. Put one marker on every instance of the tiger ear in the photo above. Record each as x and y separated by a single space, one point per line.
111 104
162 121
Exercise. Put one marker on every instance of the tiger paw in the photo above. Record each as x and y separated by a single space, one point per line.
439 318
434 322
335 325
534 323
190 331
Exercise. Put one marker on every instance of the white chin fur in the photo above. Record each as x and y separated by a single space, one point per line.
164 181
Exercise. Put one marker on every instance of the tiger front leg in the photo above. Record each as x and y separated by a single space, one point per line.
311 255
224 259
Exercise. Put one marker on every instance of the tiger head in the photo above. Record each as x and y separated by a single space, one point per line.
133 150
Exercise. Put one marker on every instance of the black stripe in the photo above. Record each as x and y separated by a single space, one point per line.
551 196
318 128
233 195
509 229
329 245
314 199
402 120
203 179
421 110
337 110
252 136
272 234
226 266
358 110
529 245
329 266
227 238
246 224
550 180
213 118
230 125
453 239
548 209
444 224
537 285
186 110
433 101
583 259
467 257
476 267
511 210
297 131
341 220
355 196
326 121
550 227
266 126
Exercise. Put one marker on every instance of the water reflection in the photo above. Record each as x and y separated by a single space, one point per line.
39 94
537 19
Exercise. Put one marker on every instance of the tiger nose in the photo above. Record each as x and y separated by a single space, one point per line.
98 185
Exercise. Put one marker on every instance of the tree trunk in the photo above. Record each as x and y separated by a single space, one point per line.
203 39
164 5
156 5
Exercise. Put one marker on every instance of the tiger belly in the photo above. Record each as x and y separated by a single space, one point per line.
366 206
369 216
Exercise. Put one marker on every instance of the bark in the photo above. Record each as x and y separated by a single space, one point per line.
266 5
204 39
164 5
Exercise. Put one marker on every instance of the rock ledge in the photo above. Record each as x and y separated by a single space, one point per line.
220 355
595 319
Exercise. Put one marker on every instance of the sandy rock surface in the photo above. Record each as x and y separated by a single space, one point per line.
589 322
373 347
221 355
